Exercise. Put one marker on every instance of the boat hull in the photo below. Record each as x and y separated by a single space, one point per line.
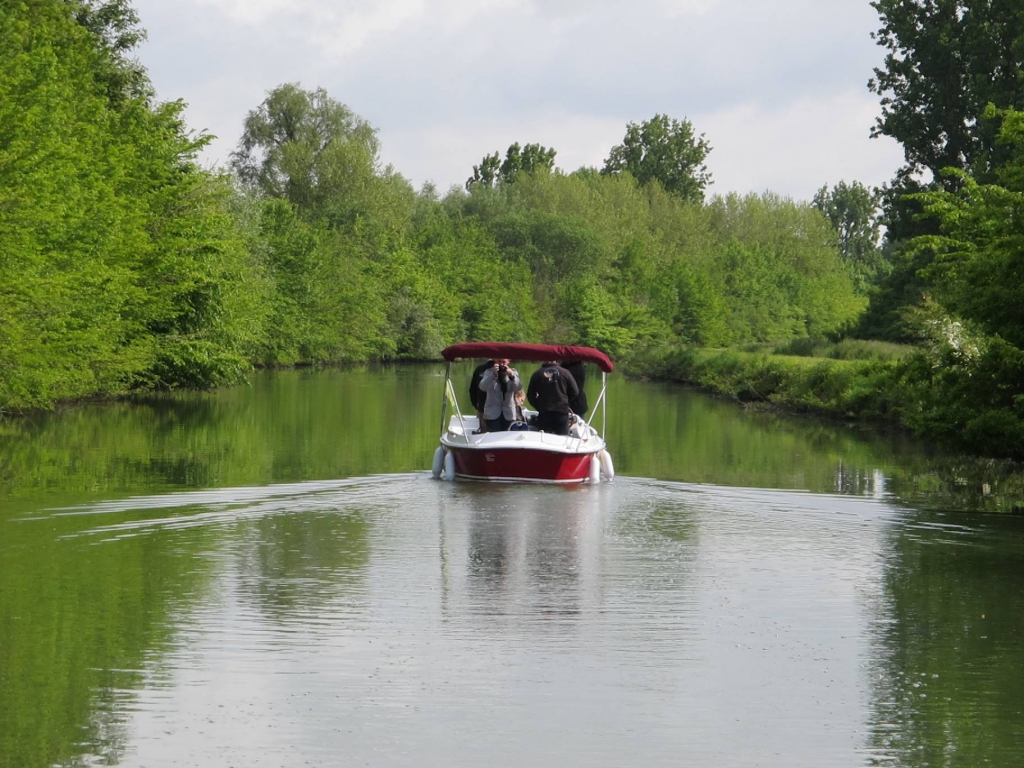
521 465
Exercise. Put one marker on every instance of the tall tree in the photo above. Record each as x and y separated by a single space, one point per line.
667 150
976 272
492 170
853 211
115 28
946 60
528 159
487 173
306 147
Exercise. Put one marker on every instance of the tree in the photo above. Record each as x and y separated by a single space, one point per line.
493 170
307 148
946 60
485 174
114 25
665 150
976 271
853 211
529 159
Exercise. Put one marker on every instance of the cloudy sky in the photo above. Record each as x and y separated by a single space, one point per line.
777 86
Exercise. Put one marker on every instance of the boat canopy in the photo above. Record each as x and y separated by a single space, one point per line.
531 352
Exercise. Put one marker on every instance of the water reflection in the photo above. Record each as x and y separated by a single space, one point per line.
529 549
947 664
188 578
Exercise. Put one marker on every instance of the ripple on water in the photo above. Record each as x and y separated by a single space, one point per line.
641 622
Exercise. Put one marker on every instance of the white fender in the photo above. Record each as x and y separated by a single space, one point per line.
607 468
449 466
438 466
595 469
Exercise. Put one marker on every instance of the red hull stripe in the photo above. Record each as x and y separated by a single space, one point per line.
508 464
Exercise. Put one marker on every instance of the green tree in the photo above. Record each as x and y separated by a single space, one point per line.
946 60
976 272
115 27
311 150
487 173
853 211
528 159
122 264
492 170
665 150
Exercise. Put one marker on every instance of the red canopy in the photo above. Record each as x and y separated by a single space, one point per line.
538 353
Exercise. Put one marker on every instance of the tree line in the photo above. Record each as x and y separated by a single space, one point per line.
125 265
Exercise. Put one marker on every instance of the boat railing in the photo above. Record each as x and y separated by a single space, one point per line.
601 405
449 394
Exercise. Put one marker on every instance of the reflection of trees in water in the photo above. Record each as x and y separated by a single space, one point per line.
948 667
960 483
297 562
82 627
523 550
669 432
287 426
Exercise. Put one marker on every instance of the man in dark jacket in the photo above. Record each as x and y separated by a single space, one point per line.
549 392
578 404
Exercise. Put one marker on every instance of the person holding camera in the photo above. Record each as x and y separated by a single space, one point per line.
499 383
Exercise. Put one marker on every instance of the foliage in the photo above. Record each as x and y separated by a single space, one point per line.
946 61
856 389
122 264
974 263
853 211
665 150
115 27
493 170
307 148
969 399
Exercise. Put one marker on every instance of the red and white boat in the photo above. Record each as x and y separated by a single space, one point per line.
522 456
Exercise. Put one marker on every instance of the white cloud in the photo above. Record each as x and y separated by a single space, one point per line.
446 154
778 88
797 148
674 8
251 12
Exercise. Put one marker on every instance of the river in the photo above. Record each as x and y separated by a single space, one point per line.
267 575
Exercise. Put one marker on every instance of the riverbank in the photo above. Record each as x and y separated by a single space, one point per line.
972 405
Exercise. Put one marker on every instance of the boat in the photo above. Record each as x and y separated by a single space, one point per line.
528 455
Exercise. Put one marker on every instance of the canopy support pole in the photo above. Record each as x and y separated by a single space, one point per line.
604 404
444 397
450 393
601 404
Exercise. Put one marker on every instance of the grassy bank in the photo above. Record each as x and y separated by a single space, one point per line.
972 404
852 389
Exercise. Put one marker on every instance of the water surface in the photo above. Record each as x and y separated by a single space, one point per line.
266 576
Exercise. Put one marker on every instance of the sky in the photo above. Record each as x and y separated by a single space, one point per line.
777 87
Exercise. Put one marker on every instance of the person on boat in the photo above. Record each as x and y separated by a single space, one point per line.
549 393
578 404
476 396
499 384
522 421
